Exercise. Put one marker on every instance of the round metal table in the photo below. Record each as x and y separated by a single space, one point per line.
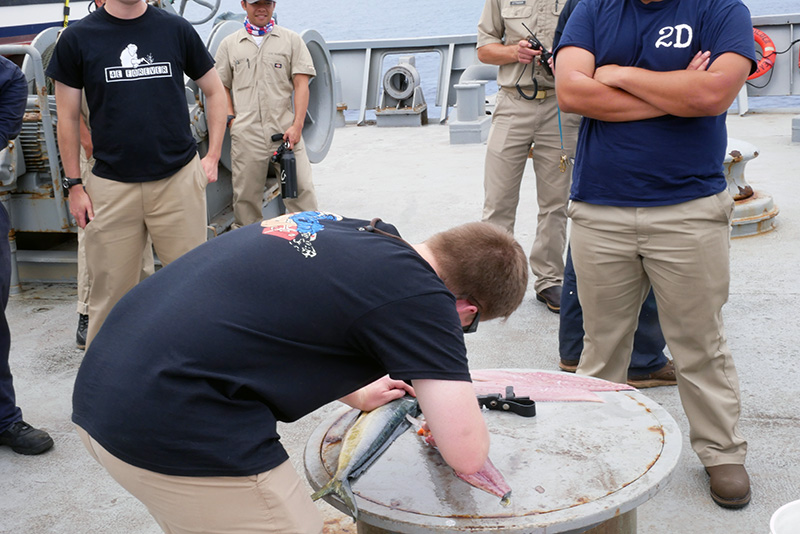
574 467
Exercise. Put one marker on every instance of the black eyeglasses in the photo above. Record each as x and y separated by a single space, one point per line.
472 326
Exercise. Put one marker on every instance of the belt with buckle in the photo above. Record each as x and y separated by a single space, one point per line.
540 95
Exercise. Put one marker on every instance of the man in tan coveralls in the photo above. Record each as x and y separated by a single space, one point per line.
261 66
517 124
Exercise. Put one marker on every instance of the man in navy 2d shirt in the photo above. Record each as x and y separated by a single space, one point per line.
649 201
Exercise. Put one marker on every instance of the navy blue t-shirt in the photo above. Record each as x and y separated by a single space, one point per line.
194 366
132 72
665 160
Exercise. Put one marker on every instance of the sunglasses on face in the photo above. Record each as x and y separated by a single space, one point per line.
472 326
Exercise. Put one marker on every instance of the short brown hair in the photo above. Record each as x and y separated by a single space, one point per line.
483 262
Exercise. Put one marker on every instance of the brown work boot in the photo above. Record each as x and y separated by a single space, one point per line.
551 296
730 485
569 366
663 377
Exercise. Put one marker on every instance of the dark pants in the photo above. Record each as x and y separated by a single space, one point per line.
648 342
9 413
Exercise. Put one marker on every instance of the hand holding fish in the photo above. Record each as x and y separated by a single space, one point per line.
488 478
378 393
455 418
424 431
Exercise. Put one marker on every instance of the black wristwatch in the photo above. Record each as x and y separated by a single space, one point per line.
66 183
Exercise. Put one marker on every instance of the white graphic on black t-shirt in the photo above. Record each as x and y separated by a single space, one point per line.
135 68
130 58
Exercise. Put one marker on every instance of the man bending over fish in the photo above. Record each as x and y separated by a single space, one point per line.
179 395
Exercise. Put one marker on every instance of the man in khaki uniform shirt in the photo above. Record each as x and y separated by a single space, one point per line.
517 124
261 65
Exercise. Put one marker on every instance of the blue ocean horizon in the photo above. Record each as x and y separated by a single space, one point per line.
368 19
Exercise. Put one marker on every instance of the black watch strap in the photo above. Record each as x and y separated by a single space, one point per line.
66 183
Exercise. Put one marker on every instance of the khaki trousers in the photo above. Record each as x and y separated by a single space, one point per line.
250 157
516 124
148 262
148 268
273 502
171 210
683 252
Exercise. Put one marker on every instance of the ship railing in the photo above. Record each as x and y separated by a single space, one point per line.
783 79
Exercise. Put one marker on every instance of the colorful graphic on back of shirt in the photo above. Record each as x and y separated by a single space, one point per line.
299 229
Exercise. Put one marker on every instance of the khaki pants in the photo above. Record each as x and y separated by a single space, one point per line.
171 210
516 124
148 262
683 252
148 268
250 157
273 502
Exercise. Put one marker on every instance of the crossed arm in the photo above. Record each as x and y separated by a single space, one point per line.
614 93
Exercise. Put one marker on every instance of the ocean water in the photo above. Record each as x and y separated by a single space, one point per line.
373 19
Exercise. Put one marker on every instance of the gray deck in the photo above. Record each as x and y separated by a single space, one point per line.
415 179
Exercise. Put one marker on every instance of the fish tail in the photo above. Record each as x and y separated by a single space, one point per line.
506 499
341 490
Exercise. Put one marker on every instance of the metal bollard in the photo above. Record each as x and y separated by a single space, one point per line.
470 101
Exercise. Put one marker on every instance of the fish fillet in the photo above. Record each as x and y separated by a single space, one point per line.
541 386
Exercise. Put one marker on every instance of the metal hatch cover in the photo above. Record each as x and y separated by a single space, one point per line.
574 465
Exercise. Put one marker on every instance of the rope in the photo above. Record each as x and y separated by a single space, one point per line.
66 13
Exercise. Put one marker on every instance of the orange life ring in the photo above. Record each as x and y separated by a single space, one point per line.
767 53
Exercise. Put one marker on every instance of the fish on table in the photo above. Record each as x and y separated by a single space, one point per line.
488 478
372 432
364 442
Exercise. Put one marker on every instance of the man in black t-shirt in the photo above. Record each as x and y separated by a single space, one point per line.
130 59
180 396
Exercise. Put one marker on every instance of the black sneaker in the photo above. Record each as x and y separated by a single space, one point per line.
83 326
24 439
